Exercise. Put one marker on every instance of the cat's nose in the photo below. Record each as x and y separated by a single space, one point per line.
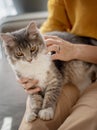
29 60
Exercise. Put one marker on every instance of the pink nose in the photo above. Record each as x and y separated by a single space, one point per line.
29 60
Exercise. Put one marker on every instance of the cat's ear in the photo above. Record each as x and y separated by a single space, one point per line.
7 39
32 27
32 30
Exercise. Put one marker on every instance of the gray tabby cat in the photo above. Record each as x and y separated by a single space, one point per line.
26 53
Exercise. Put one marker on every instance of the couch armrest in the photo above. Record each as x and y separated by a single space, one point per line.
12 23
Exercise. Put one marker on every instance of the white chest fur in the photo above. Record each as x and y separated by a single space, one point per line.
37 69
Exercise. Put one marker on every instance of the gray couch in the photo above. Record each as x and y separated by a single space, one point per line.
12 23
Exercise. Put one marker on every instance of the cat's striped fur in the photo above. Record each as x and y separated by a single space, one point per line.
26 52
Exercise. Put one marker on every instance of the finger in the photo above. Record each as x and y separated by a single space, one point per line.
52 37
33 91
46 36
27 86
30 84
50 42
49 36
23 80
34 82
53 48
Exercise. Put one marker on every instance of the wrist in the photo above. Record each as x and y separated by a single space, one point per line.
79 51
76 51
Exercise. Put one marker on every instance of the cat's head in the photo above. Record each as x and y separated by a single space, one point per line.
24 44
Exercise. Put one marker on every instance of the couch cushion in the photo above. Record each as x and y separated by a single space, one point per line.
12 23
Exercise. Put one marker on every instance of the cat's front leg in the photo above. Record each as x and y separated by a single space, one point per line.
34 104
47 113
49 103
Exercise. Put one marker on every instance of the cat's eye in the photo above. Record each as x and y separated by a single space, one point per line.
33 49
34 36
19 54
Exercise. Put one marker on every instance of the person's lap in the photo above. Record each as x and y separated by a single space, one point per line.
66 100
83 115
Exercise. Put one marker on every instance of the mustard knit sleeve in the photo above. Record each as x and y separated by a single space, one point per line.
57 19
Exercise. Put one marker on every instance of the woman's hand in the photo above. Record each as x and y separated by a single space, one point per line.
64 50
28 84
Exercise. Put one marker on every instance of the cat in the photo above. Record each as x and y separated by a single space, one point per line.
26 53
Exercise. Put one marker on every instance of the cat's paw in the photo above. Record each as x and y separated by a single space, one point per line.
46 114
31 117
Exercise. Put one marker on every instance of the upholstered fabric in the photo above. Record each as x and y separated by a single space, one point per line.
12 23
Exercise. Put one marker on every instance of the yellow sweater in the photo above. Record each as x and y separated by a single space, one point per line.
74 16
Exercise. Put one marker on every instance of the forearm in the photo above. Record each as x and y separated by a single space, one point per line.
86 53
